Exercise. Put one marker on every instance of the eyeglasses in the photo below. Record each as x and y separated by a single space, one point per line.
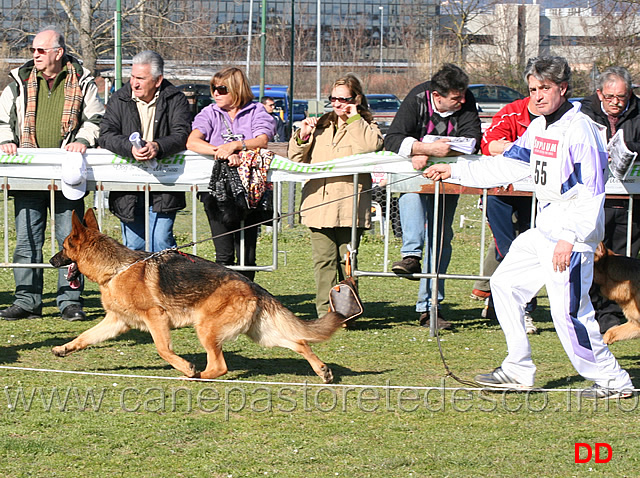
42 51
617 98
341 99
221 89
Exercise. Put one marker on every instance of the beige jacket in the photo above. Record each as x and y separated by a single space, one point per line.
353 137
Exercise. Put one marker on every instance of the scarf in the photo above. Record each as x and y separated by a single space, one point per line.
253 174
70 111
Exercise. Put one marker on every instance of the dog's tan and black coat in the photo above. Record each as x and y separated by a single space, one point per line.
619 280
157 293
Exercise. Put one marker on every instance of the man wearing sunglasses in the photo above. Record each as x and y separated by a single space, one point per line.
153 107
443 107
51 102
616 107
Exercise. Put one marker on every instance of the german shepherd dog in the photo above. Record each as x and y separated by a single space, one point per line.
159 292
619 280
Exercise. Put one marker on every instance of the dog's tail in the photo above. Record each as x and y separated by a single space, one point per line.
276 322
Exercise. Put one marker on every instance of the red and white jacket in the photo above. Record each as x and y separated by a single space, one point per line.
508 124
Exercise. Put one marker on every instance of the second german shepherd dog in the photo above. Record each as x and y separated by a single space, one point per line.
159 292
619 280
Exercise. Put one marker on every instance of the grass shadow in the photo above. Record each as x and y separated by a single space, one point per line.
241 367
247 368
6 299
11 353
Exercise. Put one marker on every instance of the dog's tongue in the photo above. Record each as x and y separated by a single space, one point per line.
73 283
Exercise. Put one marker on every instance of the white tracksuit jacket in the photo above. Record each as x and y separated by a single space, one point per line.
568 164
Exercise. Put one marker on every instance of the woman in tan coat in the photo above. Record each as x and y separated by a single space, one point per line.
348 129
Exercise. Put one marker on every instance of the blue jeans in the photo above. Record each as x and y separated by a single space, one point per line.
31 221
160 229
416 217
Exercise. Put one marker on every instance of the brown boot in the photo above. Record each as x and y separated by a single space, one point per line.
408 265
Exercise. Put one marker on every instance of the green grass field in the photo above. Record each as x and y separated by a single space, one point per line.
392 412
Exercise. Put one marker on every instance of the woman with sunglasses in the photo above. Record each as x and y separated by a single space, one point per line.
223 129
348 129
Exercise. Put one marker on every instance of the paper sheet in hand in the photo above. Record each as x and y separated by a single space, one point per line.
620 158
463 145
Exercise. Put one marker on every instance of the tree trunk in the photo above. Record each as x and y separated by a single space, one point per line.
87 47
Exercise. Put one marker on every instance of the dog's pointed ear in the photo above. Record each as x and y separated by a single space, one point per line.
601 251
90 219
76 223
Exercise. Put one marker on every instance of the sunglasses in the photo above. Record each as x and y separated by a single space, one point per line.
221 89
341 99
42 51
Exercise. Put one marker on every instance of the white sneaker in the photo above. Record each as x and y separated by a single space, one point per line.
500 380
596 392
529 325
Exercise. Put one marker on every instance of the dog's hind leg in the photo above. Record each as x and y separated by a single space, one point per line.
161 333
216 365
627 331
111 326
319 367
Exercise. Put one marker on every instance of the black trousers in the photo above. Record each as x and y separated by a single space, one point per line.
608 312
228 245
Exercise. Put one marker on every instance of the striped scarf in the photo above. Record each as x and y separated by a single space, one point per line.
70 111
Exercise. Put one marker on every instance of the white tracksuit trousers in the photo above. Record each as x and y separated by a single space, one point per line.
525 269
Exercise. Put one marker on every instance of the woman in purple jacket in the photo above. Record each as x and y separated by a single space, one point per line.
223 129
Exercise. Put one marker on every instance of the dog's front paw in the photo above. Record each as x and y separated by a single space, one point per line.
610 336
327 374
60 351
191 372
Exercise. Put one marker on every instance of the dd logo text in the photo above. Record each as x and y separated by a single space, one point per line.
586 456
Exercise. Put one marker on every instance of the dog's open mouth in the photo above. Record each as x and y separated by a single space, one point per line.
73 276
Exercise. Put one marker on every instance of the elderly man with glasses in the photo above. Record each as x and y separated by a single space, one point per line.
51 102
616 107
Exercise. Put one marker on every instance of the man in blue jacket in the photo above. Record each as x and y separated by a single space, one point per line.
153 107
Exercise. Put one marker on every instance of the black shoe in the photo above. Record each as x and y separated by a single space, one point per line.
408 265
15 312
73 312
425 321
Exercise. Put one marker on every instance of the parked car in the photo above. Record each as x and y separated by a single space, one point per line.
201 93
300 108
384 108
490 98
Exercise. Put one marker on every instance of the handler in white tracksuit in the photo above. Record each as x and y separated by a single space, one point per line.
565 155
